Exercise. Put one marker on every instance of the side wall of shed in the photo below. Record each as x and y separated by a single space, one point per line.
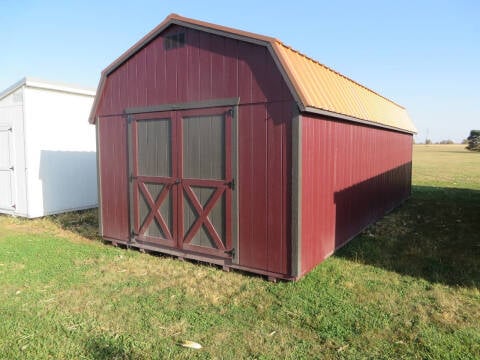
352 175
209 67
60 152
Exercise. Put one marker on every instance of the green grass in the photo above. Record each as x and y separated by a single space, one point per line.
407 287
448 166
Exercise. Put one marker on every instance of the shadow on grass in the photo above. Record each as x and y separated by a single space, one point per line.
83 223
105 347
435 235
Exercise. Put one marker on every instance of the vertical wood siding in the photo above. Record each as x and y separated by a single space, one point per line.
212 67
351 176
114 177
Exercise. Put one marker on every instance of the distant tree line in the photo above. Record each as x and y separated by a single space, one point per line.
428 142
473 141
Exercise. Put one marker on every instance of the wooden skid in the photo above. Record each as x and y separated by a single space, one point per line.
226 264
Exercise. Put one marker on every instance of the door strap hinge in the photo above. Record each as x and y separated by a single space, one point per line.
230 252
132 236
231 184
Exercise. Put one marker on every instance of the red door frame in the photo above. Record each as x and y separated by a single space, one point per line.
181 186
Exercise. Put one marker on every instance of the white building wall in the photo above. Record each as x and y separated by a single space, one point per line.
60 151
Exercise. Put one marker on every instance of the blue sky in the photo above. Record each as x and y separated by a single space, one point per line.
425 55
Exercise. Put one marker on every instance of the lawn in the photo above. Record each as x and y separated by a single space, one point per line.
407 287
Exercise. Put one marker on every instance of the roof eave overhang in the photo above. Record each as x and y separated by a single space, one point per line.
60 87
41 84
11 89
316 111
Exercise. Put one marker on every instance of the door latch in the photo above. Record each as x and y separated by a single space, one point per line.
231 184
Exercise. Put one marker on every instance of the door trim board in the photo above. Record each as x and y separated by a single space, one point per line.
184 106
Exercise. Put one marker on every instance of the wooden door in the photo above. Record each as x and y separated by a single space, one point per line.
153 179
182 180
6 168
205 200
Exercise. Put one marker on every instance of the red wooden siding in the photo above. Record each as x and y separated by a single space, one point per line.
211 67
265 186
114 177
208 67
351 175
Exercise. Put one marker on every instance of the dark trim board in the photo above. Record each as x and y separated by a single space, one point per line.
99 181
184 106
253 38
335 115
296 194
235 200
129 173
286 78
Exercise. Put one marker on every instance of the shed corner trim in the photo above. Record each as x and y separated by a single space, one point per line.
296 261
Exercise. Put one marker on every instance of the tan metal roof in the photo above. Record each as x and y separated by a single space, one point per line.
322 88
316 88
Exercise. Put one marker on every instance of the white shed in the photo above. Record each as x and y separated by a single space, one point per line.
47 149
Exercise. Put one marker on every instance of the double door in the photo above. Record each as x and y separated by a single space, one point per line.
182 180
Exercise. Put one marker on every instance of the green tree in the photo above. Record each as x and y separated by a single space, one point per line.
474 140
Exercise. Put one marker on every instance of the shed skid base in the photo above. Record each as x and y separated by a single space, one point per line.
226 264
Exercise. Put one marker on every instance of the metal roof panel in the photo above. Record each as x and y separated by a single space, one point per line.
325 89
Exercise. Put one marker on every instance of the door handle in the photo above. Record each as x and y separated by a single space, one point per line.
177 181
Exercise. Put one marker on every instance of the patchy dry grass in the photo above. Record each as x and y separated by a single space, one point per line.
408 287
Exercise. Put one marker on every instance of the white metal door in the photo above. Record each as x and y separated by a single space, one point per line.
7 201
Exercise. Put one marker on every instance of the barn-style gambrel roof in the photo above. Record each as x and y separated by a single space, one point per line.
315 87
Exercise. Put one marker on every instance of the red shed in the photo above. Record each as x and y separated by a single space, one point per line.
232 148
